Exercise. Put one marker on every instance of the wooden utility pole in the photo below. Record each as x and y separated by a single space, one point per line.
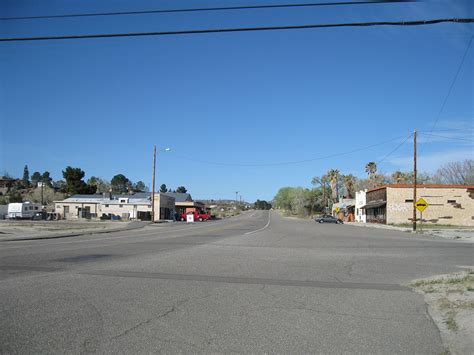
153 187
414 181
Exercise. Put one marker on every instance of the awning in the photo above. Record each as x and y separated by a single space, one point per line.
374 204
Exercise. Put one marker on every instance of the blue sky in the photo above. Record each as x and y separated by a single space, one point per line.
241 111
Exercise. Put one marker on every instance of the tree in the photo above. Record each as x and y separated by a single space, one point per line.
349 184
14 196
26 176
101 185
262 205
35 178
181 189
140 186
334 175
399 177
456 173
323 180
163 188
46 179
74 182
371 169
60 186
120 184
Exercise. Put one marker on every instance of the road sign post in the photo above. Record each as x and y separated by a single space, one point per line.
421 205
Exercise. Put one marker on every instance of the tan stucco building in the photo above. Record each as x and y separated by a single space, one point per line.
447 204
133 207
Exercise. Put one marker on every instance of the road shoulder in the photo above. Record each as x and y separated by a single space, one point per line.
450 300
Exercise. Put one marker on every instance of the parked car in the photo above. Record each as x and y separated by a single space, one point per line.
325 218
197 216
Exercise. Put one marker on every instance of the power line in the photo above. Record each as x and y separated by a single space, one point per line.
396 148
229 8
451 138
242 29
452 85
294 162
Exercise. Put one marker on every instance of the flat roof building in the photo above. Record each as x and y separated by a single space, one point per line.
447 204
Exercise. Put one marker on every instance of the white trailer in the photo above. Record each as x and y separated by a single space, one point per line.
23 210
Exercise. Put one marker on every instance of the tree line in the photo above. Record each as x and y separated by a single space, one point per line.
328 188
72 183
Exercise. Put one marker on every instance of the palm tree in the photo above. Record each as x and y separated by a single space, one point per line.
333 176
349 183
323 180
371 168
398 177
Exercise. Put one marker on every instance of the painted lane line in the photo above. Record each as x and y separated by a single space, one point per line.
261 229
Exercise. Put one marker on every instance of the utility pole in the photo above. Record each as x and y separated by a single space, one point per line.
236 192
414 181
42 193
153 187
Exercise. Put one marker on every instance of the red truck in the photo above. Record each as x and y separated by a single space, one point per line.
197 216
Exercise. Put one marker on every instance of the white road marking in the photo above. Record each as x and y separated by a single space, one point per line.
261 229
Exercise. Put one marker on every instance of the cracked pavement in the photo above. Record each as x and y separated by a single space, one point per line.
293 286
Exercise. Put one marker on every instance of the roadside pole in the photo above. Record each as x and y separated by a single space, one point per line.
153 187
414 181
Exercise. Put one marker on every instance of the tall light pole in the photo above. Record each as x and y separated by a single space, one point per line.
153 183
236 192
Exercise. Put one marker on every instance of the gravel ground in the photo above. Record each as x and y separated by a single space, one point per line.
52 229
450 299
458 234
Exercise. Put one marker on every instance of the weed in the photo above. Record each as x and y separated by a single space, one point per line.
451 322
429 290
470 289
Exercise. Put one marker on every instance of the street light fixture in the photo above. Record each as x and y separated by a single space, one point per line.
153 182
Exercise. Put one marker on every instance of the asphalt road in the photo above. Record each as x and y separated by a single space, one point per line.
255 283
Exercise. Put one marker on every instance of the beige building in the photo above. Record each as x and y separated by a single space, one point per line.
447 204
125 207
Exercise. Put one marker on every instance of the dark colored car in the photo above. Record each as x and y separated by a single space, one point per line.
325 218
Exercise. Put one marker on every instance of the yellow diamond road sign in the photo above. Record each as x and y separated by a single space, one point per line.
421 205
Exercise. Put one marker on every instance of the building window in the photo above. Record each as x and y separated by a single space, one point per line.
106 205
36 208
408 200
120 206
451 201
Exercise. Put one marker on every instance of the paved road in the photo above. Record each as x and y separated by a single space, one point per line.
255 283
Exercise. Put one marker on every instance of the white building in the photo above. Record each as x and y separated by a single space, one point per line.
361 199
125 207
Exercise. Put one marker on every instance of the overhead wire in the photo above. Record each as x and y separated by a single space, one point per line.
241 29
451 85
395 149
205 9
450 138
294 162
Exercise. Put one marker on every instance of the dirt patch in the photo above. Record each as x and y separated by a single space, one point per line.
450 300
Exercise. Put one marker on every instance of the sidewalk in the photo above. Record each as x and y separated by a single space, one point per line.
456 234
11 231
